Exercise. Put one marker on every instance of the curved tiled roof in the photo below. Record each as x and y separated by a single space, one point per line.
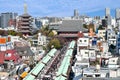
71 26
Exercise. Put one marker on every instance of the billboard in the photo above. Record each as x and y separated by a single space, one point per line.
2 40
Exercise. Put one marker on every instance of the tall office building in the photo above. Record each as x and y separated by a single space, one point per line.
107 16
14 15
38 23
104 22
107 11
6 17
117 14
76 13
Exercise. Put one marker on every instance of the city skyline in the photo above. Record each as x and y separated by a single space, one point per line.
60 8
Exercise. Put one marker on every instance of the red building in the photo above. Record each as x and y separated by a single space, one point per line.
8 55
2 57
11 55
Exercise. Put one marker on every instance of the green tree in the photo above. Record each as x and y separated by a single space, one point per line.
91 26
46 31
54 42
51 34
11 32
2 32
85 26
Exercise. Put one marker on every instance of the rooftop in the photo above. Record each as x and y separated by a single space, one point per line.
101 78
71 25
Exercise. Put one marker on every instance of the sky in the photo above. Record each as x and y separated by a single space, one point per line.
60 8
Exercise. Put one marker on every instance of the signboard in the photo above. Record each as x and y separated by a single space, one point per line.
2 40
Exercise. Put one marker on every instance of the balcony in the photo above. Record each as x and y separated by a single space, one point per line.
24 31
25 23
25 27
24 19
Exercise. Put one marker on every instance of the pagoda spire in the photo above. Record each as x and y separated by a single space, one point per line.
25 8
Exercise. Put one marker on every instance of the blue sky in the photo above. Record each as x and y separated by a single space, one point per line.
60 8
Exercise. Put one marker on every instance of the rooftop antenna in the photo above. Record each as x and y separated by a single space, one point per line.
25 8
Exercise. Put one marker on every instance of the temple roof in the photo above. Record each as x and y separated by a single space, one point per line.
71 26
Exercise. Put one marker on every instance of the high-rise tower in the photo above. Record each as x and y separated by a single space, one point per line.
107 16
6 17
117 14
76 13
107 11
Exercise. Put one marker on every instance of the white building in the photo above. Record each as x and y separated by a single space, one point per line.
82 43
41 39
82 63
93 72
101 33
38 53
92 55
84 53
113 62
14 38
111 37
87 54
6 44
114 72
44 21
105 47
88 20
113 22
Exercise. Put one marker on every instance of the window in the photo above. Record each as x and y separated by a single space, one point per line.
100 32
77 65
40 43
15 38
92 54
85 75
103 32
113 60
113 41
97 75
35 42
8 55
113 37
80 40
89 76
40 51
39 39
86 52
